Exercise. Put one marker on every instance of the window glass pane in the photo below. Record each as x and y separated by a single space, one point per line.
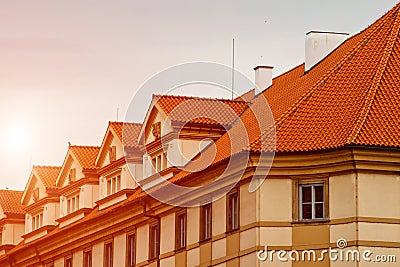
131 250
109 187
319 211
307 211
208 221
233 212
306 194
319 193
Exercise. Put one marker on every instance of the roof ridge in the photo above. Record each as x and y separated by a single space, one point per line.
45 166
11 190
129 122
202 98
84 146
320 82
376 81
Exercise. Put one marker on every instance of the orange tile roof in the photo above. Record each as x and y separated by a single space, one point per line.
129 130
350 98
10 201
47 174
200 110
86 155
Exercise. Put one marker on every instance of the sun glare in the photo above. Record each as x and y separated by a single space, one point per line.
17 139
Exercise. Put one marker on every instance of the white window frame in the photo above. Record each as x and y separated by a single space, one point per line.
113 184
313 202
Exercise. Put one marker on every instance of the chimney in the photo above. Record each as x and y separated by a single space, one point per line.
263 77
320 44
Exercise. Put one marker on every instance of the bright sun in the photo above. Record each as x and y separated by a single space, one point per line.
17 139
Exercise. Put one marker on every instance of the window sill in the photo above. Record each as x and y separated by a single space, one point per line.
153 260
178 250
311 221
206 240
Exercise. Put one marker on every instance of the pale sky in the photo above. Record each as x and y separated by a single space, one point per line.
67 66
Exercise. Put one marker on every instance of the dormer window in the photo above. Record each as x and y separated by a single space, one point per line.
37 221
159 162
113 185
72 175
73 204
112 153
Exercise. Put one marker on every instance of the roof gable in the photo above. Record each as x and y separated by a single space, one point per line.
83 156
117 132
42 176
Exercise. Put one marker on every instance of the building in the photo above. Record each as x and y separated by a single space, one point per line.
335 175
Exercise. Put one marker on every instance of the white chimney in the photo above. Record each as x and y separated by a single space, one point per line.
320 44
263 77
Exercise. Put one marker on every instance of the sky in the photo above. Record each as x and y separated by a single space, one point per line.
67 67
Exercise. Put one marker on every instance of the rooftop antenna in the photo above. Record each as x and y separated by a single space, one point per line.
233 64
117 113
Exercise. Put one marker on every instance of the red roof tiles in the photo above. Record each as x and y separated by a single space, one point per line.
201 110
350 98
47 174
10 201
129 130
86 155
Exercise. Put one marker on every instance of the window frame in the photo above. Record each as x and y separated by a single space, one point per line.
68 259
113 184
73 203
229 211
129 256
180 230
87 252
204 223
107 244
154 244
304 182
37 221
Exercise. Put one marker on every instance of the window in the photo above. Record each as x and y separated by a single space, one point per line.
164 161
154 250
37 221
233 211
108 254
112 153
159 163
68 261
180 229
73 204
87 258
158 169
131 243
311 201
113 185
205 222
